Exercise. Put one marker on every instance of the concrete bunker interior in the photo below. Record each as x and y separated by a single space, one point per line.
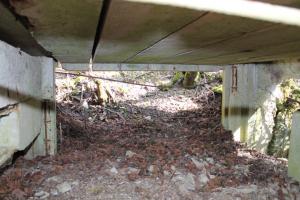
258 53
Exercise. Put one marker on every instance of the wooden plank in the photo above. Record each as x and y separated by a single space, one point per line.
240 8
276 43
192 40
67 28
222 36
140 67
14 33
132 27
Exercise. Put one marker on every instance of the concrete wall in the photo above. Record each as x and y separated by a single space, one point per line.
294 153
249 106
26 91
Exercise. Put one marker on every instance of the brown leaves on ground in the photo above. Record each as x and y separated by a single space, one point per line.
160 143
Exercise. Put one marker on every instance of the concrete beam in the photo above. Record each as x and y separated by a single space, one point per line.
140 67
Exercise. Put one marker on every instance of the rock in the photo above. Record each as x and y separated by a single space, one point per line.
42 195
75 183
55 179
166 173
85 104
186 182
133 170
173 168
54 192
198 164
203 179
247 190
148 118
130 154
189 181
113 170
64 187
210 160
151 169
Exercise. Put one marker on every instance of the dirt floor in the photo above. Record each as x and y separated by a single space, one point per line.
149 144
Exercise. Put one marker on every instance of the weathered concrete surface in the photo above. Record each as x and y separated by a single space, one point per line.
25 83
249 106
5 155
294 153
66 28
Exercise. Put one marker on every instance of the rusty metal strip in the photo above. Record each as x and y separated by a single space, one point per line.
234 80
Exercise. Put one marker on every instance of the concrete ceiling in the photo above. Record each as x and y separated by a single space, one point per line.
148 33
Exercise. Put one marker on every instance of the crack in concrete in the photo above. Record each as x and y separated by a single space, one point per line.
7 110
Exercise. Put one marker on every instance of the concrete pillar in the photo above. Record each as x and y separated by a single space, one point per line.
294 152
27 107
249 100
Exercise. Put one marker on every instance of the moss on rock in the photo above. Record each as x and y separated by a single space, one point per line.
286 106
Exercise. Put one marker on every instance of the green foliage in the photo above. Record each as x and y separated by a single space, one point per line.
218 89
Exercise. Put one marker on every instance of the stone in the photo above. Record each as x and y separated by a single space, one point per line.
64 187
132 170
203 179
186 182
56 179
114 170
248 190
85 104
173 168
151 168
166 173
54 192
198 164
129 154
75 183
42 195
210 160
148 118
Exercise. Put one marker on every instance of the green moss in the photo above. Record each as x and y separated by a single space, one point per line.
286 106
